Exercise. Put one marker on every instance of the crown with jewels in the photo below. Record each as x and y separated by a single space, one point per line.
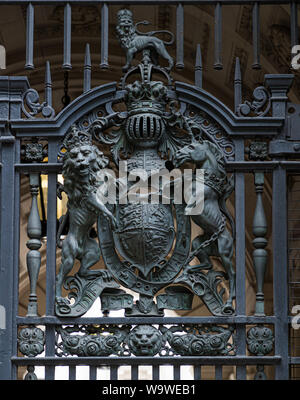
75 138
142 96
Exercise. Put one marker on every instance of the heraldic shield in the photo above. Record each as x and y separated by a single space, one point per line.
145 235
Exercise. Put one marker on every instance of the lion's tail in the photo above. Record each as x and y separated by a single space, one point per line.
62 223
151 33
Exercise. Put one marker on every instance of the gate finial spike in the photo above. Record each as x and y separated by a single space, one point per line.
87 69
48 85
237 85
198 67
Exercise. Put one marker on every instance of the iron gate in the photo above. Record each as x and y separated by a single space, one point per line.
162 126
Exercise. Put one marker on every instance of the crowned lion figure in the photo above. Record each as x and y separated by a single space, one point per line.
82 162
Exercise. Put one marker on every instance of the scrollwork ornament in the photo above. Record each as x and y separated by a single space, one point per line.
144 340
260 106
260 340
31 341
31 100
201 341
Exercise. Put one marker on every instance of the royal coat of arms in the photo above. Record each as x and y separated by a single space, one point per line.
144 234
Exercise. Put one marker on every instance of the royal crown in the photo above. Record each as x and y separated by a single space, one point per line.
125 17
146 96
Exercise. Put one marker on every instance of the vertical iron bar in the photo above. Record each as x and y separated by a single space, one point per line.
72 373
280 286
51 258
93 373
155 372
114 372
67 37
48 85
7 242
16 257
87 69
179 37
237 85
176 372
240 256
134 372
218 37
294 23
198 68
29 37
255 36
104 37
218 372
197 372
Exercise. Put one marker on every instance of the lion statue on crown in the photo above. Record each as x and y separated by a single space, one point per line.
134 41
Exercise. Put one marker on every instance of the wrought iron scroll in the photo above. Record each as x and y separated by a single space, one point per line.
144 340
260 106
31 99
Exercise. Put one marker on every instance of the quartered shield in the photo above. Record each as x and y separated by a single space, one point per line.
145 235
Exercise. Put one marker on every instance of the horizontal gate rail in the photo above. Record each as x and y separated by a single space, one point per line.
144 2
239 319
207 360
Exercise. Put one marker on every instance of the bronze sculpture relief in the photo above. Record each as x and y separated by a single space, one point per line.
145 236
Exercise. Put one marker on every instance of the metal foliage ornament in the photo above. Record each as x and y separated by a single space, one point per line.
144 340
31 341
260 106
260 340
146 245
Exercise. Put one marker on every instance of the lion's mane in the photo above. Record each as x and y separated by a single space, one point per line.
73 186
